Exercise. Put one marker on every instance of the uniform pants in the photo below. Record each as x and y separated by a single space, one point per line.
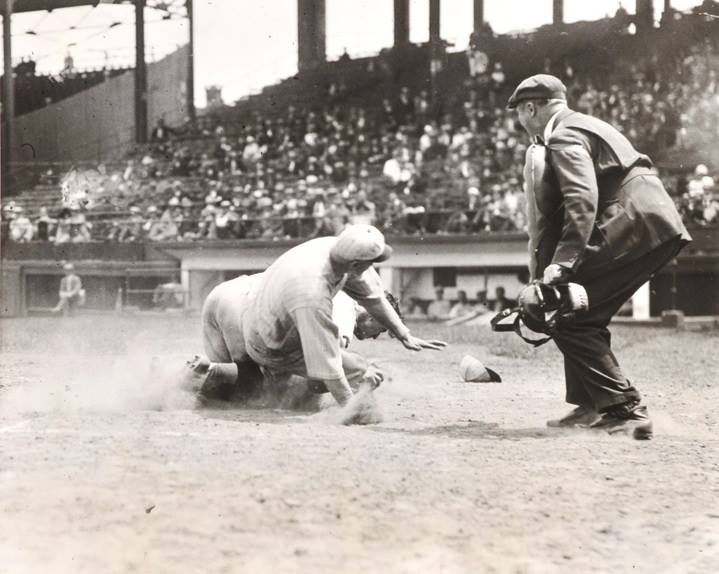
593 377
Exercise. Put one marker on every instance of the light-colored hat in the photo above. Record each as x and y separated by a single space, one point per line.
361 243
68 267
473 371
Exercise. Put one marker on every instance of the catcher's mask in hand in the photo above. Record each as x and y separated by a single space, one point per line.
540 307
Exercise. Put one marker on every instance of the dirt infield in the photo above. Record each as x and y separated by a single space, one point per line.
103 471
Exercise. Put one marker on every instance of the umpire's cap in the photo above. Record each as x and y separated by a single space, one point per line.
361 243
538 87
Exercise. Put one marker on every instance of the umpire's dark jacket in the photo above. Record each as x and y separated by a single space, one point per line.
598 204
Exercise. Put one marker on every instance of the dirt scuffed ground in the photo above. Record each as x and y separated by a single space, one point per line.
103 470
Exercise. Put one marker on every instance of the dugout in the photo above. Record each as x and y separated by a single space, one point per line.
125 276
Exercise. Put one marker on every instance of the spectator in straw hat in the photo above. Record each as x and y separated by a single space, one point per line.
21 228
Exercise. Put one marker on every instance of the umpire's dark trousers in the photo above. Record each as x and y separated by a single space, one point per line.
593 377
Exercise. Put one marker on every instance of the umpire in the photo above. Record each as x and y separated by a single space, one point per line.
597 215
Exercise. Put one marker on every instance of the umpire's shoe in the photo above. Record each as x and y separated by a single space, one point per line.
627 417
581 416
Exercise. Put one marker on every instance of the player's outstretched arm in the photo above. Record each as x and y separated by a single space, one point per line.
416 344
381 310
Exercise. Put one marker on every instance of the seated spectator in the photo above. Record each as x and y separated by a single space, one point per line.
71 293
363 210
152 220
187 228
165 229
472 312
501 301
131 230
226 221
457 222
392 169
21 228
414 308
337 215
161 133
462 307
79 227
43 225
439 309
481 306
170 295
62 231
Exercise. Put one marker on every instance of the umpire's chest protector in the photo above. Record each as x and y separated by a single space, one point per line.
633 212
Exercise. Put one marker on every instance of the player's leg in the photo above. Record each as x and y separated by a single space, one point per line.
213 341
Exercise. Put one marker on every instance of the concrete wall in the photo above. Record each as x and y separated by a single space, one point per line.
99 123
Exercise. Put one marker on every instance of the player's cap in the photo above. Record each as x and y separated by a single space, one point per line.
361 242
538 87
473 371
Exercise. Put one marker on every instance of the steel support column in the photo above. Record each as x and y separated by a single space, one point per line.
401 23
190 61
434 23
8 95
478 15
140 74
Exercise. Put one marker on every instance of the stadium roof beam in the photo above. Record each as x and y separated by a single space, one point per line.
50 5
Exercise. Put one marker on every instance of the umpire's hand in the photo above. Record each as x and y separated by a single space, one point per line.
416 344
555 274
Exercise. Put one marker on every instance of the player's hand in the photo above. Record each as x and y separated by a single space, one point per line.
373 377
554 274
416 344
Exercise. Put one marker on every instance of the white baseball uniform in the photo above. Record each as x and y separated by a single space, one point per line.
223 314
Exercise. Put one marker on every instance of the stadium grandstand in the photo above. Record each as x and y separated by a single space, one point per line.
415 140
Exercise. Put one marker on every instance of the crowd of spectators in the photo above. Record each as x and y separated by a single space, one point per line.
402 164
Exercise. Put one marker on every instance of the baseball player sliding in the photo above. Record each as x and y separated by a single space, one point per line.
280 322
